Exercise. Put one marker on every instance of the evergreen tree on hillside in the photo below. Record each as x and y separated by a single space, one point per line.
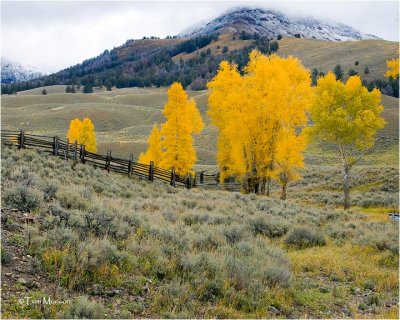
338 72
108 85
88 88
352 72
314 76
274 46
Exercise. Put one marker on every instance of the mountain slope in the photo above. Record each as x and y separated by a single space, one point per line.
15 72
272 24
194 60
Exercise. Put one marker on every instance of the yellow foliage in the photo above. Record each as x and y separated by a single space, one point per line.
346 115
182 120
289 157
393 68
74 131
255 111
172 144
88 136
153 152
82 132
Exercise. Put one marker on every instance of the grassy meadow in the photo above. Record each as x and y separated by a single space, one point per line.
323 55
123 118
116 247
121 248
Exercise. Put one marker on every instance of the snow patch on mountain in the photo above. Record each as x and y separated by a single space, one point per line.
272 23
12 71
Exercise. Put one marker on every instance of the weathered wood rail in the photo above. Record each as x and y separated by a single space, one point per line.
77 152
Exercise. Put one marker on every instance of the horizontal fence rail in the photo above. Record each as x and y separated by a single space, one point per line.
74 151
77 152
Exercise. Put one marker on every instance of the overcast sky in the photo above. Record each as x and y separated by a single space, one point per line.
55 35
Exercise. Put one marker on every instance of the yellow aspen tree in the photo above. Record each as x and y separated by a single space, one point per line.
74 131
183 119
153 152
224 102
393 68
251 110
289 158
88 136
347 117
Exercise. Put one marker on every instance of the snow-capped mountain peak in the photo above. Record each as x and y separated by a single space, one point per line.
272 23
12 71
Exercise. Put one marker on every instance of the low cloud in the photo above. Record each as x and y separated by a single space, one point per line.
55 35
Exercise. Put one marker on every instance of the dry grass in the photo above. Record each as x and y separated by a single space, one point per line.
325 55
202 253
124 118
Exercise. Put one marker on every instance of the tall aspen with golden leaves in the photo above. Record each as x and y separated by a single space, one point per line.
74 131
251 112
153 152
347 117
88 135
393 68
289 158
83 133
182 120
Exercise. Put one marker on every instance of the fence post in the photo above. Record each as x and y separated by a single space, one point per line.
108 160
21 139
82 153
67 150
76 150
202 177
130 165
151 171
188 180
55 146
172 183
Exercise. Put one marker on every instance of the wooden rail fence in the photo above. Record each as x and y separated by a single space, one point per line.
77 152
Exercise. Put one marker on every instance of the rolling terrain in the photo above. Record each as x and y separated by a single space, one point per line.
102 245
112 247
192 58
123 118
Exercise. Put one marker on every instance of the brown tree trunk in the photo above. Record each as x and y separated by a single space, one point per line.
256 188
283 194
346 187
268 186
263 182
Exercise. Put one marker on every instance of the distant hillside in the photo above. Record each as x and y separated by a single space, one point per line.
325 55
194 59
15 72
272 24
